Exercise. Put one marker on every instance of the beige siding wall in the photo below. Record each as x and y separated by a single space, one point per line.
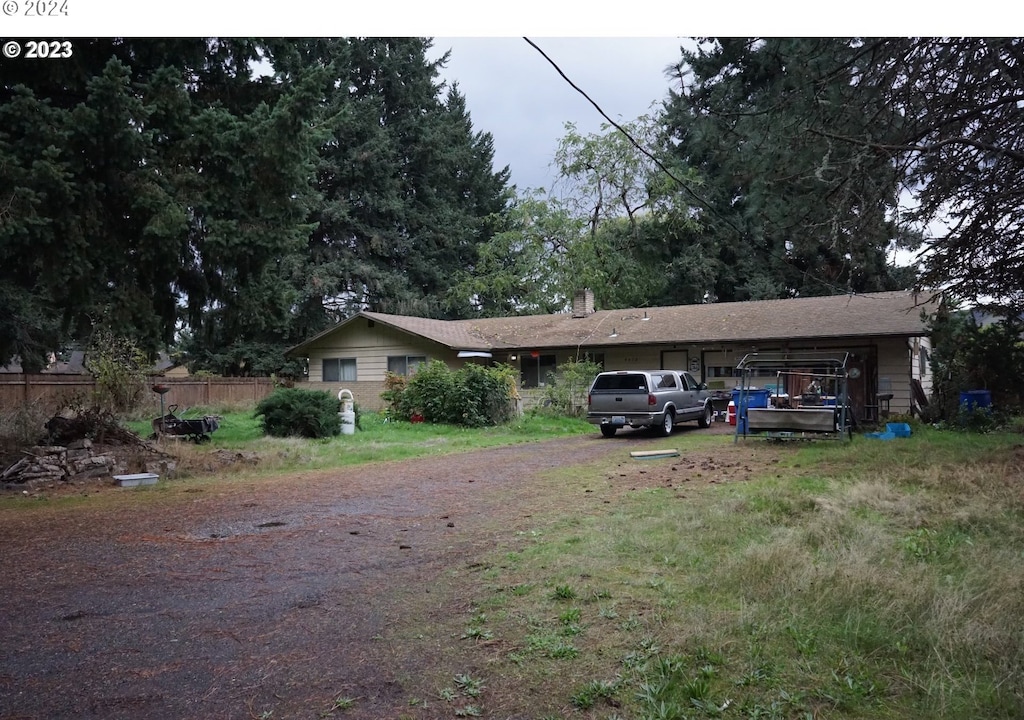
371 347
366 393
894 373
897 361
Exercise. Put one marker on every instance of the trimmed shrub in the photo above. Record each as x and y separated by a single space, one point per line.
299 412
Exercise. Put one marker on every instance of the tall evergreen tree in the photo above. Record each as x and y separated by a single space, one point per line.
786 211
406 184
143 175
238 193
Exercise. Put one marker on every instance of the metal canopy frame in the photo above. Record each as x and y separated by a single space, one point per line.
829 366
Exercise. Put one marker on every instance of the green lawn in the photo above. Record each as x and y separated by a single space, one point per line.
375 439
864 580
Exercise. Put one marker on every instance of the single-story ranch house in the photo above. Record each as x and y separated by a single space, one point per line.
884 334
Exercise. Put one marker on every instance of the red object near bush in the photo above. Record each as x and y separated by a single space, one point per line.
416 417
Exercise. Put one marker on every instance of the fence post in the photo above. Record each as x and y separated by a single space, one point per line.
26 391
207 403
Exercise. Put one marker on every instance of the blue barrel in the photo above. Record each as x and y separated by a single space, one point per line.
752 398
748 398
971 400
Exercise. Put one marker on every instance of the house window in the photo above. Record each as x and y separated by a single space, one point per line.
534 371
405 364
339 370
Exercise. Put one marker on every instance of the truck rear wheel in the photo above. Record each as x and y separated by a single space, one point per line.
667 422
608 430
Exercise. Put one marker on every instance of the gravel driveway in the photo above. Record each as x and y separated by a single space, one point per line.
249 599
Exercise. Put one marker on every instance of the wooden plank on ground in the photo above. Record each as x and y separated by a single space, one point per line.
653 454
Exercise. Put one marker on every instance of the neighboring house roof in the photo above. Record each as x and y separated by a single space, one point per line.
839 316
74 365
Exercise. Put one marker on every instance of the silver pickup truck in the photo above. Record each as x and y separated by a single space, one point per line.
647 398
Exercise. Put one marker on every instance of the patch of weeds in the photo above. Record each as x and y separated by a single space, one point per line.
475 633
755 676
805 641
447 694
706 656
850 688
636 659
631 624
521 589
608 612
340 703
551 646
586 697
570 620
469 711
469 686
563 592
669 691
928 545
601 594
564 651
570 616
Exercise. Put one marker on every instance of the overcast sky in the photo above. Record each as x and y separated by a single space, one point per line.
515 94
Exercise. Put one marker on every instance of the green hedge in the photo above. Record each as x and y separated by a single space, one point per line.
474 395
298 412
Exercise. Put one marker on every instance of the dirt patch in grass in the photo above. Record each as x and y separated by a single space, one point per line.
280 597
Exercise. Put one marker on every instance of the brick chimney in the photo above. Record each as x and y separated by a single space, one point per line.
582 303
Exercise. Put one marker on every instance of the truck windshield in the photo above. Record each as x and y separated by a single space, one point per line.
621 382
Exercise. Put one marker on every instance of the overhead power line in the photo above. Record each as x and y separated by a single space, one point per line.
707 205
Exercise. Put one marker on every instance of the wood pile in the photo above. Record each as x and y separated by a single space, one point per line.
47 464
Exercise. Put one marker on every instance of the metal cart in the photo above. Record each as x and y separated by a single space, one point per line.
809 401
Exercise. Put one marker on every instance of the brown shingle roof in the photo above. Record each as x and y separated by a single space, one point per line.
456 334
837 316
840 316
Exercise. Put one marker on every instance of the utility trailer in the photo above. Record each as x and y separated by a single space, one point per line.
810 399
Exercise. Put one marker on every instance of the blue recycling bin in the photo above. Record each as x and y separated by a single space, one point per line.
748 398
971 400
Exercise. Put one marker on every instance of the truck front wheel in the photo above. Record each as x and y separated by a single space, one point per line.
706 417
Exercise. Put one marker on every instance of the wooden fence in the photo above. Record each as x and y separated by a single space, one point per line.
27 390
